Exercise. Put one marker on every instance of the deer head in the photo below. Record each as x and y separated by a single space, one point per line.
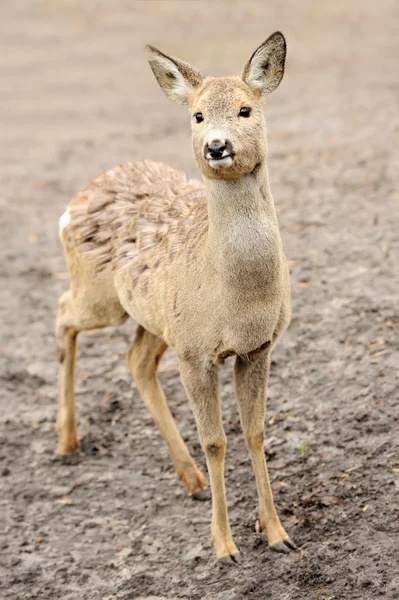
227 121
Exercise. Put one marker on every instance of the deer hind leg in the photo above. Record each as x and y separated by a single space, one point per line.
143 360
202 389
66 341
75 314
250 383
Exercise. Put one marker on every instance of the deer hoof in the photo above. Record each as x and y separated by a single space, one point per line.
288 542
284 547
202 495
230 559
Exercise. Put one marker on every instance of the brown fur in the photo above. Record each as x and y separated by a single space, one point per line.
199 267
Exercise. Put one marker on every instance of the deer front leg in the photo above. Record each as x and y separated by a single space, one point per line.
250 383
202 388
143 360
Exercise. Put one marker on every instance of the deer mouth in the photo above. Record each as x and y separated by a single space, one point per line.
223 161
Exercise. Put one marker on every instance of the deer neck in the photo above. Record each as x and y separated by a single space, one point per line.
244 244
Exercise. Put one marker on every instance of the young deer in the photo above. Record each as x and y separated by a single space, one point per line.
201 269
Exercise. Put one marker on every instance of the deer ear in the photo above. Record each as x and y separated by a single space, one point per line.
176 78
265 69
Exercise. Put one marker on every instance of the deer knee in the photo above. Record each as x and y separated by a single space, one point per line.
65 329
60 353
215 449
255 440
65 341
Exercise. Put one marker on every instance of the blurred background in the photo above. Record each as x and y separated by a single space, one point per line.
77 97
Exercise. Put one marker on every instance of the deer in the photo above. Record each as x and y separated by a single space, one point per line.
199 267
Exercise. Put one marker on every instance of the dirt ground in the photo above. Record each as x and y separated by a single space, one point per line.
77 97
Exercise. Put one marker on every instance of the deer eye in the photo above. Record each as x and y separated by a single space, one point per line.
199 117
245 111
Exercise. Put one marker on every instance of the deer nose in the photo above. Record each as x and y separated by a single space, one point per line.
215 149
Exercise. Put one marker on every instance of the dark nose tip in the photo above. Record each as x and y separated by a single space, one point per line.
215 149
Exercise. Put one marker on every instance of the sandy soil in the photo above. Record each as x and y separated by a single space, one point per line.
112 523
